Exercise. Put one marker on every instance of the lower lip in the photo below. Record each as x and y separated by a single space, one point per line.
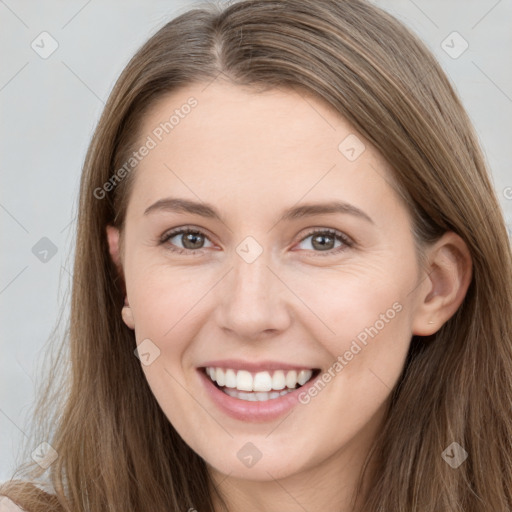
253 411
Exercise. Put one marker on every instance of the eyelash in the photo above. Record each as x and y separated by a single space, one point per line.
338 235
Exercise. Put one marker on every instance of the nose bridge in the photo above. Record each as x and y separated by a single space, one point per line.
251 298
251 277
251 281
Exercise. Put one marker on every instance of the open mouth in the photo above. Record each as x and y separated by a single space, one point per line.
259 386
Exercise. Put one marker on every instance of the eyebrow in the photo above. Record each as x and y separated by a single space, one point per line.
172 204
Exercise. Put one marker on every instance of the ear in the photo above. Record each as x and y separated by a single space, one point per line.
113 245
113 237
447 280
127 315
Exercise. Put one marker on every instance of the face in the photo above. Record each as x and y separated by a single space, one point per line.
291 282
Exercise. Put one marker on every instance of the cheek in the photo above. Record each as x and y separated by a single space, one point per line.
367 352
363 322
164 300
166 303
355 303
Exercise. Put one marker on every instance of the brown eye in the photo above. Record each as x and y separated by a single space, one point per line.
191 240
325 241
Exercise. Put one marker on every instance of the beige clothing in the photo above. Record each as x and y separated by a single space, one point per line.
7 505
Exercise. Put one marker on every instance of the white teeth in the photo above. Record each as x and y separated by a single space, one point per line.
255 397
291 379
243 381
260 382
220 377
278 380
304 376
230 379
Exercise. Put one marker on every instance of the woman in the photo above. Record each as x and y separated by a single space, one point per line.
223 355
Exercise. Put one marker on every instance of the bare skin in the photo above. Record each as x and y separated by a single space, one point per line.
252 156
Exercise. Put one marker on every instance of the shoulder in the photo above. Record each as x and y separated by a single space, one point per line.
7 505
26 496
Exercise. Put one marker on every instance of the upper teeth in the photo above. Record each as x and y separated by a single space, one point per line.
260 381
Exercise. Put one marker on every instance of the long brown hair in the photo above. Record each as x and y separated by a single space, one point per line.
116 449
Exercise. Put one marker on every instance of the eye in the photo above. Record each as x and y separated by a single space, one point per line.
324 240
192 241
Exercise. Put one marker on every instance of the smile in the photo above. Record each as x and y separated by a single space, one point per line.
258 386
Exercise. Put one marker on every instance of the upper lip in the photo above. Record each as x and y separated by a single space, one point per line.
251 366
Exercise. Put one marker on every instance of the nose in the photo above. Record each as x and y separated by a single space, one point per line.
253 300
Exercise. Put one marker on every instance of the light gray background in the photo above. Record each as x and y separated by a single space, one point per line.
49 110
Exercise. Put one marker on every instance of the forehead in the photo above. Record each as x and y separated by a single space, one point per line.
227 142
270 121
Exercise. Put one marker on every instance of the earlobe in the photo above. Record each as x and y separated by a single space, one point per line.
127 315
447 282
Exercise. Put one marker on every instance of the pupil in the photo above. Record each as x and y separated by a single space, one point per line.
192 237
321 245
